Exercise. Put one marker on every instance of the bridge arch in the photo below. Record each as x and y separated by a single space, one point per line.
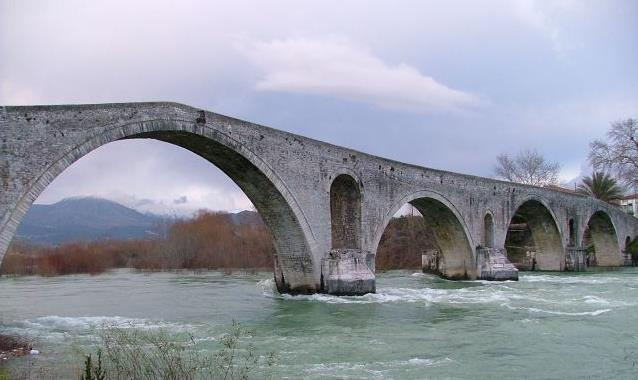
533 228
345 212
601 236
572 232
488 230
294 264
449 228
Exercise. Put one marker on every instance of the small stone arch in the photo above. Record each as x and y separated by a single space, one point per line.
450 231
572 232
488 231
533 240
601 237
345 212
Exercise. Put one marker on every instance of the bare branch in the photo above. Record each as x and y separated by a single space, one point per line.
619 154
528 167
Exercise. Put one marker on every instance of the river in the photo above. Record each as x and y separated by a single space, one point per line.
545 326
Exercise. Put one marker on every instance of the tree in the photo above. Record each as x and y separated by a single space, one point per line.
601 186
619 153
528 167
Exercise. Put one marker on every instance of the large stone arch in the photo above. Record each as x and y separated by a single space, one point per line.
533 227
449 228
600 232
295 269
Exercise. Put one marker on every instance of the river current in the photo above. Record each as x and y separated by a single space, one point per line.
545 326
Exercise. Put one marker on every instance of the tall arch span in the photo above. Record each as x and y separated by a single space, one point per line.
47 140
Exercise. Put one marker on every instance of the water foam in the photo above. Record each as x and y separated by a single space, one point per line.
345 370
595 300
501 294
562 279
407 295
268 287
557 312
55 322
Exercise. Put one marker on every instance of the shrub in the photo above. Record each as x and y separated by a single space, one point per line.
130 353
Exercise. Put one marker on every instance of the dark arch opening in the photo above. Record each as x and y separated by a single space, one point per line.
533 240
291 245
601 241
627 242
345 213
488 231
572 233
442 241
404 241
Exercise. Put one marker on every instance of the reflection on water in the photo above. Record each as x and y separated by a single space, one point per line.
417 326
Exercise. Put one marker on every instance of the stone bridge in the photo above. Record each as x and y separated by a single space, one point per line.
326 206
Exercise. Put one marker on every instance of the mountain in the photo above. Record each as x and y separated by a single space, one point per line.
84 219
246 217
88 218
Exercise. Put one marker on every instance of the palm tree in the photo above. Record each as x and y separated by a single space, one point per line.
601 186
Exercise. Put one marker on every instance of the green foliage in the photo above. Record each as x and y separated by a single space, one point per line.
632 247
4 374
601 186
93 372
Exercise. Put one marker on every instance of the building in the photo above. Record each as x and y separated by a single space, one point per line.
629 204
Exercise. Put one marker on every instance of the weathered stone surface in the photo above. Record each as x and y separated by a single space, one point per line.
290 178
344 272
493 265
430 262
576 259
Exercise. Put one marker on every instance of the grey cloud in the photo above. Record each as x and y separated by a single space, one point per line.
338 67
143 202
181 200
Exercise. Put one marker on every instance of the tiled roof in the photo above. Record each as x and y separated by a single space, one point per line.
630 196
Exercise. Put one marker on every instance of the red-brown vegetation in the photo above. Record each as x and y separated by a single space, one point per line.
211 240
402 243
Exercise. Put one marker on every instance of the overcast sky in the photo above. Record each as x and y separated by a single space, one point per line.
445 84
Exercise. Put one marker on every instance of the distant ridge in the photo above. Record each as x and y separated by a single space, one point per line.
84 218
91 218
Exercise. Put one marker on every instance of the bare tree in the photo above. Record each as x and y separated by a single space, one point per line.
528 167
619 153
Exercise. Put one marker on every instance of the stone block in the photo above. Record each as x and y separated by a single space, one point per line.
344 272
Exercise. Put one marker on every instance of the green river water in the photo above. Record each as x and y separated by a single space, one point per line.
545 326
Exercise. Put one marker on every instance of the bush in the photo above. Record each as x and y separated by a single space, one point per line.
632 248
128 353
93 371
11 345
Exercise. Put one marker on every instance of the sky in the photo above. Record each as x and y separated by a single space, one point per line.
447 85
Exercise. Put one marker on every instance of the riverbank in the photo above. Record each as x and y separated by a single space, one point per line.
13 346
